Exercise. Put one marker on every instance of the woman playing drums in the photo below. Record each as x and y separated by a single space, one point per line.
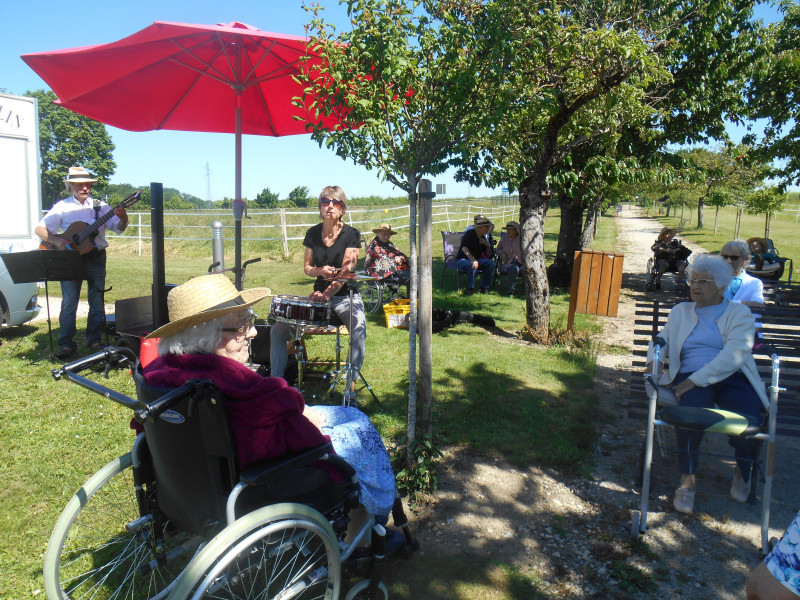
331 249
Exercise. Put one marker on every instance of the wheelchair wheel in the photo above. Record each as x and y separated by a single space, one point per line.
372 296
100 548
359 591
280 551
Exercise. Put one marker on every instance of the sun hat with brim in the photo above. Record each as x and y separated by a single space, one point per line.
482 221
204 299
760 240
666 232
512 225
79 175
384 227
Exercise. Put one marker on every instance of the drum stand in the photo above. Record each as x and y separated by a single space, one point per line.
348 371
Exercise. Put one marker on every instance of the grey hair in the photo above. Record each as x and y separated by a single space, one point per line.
715 267
739 245
204 338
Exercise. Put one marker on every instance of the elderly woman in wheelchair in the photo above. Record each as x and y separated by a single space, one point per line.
237 490
708 345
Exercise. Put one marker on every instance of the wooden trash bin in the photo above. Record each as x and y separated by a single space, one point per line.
596 282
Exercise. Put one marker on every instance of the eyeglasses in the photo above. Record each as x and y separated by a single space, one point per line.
701 282
251 320
336 203
732 256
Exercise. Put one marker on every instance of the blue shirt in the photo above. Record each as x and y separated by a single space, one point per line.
705 341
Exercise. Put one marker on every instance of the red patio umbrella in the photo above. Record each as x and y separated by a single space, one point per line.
228 78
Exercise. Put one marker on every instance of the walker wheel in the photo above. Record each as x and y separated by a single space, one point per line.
649 287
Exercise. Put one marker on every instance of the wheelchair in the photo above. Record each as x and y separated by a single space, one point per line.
767 269
176 517
378 292
651 276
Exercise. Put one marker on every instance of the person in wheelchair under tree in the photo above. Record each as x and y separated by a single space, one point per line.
384 259
670 255
211 325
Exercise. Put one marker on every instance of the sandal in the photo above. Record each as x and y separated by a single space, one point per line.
684 500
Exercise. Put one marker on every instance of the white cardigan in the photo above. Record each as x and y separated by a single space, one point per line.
736 325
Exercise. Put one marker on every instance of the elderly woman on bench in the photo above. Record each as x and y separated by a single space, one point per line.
709 349
211 325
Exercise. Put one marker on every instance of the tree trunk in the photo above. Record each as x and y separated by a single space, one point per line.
700 213
559 274
590 225
534 200
716 220
412 326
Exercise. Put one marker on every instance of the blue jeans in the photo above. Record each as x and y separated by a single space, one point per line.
95 264
512 270
485 267
734 394
282 333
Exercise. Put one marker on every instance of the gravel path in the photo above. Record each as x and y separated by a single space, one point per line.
573 535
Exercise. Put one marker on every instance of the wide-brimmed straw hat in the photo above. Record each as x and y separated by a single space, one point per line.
79 175
481 220
384 227
512 225
760 240
203 299
666 232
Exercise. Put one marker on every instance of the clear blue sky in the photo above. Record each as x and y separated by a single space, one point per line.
179 159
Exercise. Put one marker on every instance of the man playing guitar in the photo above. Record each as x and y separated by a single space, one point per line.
81 208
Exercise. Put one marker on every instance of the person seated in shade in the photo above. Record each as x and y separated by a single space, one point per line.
743 288
709 349
761 255
777 577
670 255
384 259
211 325
476 254
509 251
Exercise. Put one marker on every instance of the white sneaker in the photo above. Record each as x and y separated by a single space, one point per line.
740 489
684 500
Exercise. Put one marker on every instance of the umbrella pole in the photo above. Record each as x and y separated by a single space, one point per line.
238 205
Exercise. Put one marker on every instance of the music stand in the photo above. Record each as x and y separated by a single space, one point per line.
45 265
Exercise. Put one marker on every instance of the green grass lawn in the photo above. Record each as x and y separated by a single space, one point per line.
496 395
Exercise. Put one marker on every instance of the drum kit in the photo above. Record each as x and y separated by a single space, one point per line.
304 314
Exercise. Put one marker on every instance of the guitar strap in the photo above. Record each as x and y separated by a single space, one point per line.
96 204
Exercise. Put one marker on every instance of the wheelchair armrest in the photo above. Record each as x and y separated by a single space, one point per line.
263 471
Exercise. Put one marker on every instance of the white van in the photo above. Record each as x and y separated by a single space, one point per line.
21 202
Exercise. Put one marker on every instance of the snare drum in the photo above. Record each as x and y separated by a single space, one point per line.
298 310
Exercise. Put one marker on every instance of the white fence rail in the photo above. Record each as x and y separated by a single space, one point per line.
286 225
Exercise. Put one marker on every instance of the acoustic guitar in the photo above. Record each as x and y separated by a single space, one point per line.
80 234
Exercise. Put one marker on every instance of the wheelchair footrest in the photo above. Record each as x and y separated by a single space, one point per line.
710 419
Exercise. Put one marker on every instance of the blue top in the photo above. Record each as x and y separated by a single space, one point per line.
705 341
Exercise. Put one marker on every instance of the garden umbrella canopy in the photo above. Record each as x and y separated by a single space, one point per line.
226 78
183 77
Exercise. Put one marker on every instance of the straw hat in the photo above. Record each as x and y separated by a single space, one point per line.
666 234
760 240
203 299
512 225
79 175
384 227
481 220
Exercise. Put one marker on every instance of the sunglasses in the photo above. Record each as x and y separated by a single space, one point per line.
732 256
336 203
251 321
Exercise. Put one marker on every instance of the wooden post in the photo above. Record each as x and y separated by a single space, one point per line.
284 234
425 311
